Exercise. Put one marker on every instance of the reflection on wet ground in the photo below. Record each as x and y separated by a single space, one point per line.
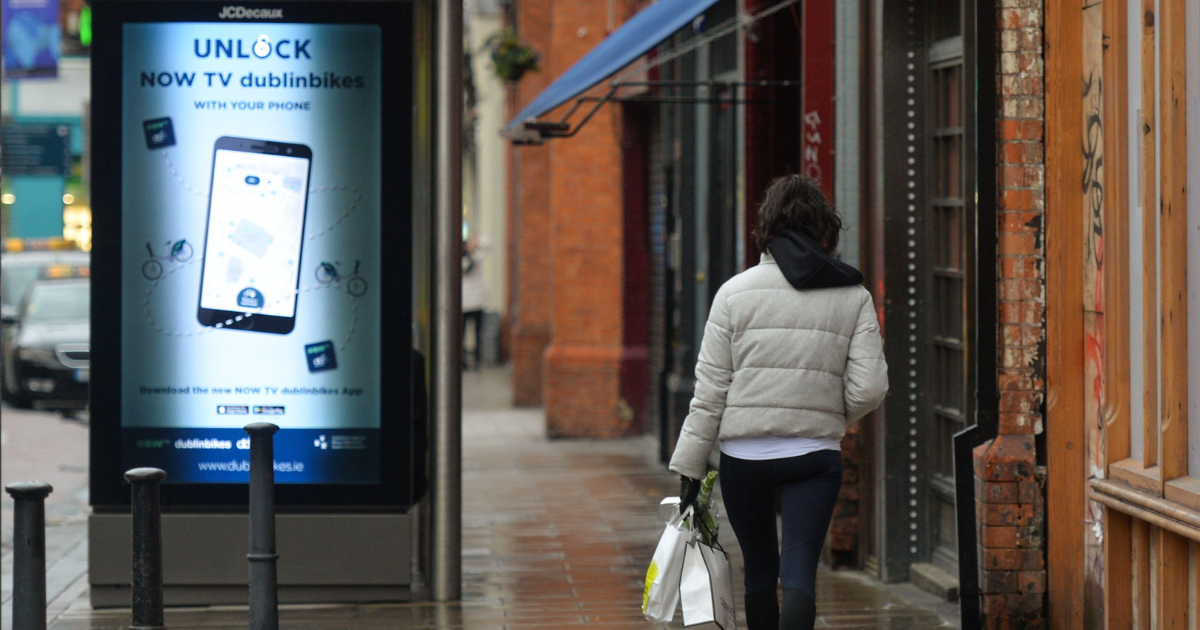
845 600
555 534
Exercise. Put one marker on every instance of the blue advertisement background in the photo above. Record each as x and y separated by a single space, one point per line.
176 373
223 455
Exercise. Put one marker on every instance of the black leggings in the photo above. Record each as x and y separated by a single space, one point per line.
808 486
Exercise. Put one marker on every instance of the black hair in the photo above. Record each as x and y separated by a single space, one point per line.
795 202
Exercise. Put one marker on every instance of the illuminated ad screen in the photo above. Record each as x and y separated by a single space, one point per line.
255 261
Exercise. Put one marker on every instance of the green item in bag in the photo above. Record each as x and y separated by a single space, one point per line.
706 511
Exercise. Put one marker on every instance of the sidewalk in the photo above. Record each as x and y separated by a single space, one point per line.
555 534
45 446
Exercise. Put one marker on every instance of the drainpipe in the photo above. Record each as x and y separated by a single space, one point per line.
986 395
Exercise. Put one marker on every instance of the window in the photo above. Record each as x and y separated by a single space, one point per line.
1161 234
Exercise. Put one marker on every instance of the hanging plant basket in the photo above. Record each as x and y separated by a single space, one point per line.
511 58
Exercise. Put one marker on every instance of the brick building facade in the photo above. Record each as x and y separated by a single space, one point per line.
911 164
531 276
582 360
1011 512
567 329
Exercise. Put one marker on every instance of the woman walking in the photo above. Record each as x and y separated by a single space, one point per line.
791 354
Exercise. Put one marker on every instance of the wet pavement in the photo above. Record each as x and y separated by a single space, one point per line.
47 446
555 534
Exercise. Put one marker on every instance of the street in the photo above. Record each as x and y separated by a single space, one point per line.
555 533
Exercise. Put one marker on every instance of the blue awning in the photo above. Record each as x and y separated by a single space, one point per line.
635 38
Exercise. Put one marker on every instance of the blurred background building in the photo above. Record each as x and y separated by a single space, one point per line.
485 186
44 99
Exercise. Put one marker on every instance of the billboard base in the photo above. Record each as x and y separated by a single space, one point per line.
323 558
119 596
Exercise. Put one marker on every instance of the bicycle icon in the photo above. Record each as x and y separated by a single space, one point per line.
180 252
327 273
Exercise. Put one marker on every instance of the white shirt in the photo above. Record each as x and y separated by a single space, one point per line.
777 447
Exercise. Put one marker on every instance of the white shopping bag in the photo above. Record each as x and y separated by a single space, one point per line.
661 595
706 587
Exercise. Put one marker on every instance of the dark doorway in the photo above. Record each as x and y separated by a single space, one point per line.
928 243
637 123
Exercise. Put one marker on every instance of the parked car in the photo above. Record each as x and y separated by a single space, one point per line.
47 364
19 269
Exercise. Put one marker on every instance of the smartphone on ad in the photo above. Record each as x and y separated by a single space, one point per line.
254 237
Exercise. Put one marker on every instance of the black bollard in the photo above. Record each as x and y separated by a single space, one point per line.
264 594
147 549
29 554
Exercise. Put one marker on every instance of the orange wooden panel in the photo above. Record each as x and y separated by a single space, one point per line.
1118 575
1149 177
1140 563
1173 240
1131 473
1064 315
1116 233
1183 490
1170 580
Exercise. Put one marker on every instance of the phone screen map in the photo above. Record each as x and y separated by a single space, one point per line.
255 233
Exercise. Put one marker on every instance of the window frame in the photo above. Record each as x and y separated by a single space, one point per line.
1163 470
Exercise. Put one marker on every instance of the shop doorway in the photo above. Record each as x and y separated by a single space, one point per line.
928 223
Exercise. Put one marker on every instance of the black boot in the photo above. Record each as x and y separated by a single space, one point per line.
762 610
799 610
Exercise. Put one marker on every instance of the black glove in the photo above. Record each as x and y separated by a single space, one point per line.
688 490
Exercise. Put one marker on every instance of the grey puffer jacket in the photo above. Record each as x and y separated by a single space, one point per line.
781 361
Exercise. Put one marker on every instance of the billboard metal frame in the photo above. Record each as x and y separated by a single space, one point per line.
394 493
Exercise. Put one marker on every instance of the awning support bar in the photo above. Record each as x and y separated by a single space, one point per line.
541 130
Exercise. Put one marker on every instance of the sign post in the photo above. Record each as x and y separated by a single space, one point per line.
447 364
252 262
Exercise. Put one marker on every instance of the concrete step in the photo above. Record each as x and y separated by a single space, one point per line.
935 580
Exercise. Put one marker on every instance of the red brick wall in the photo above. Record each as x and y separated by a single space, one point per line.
567 334
530 172
1009 493
583 362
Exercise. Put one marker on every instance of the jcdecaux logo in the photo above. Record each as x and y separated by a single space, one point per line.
242 13
261 48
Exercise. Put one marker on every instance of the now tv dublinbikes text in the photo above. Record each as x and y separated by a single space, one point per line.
217 454
316 80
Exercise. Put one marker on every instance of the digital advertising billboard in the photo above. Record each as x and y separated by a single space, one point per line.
252 259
